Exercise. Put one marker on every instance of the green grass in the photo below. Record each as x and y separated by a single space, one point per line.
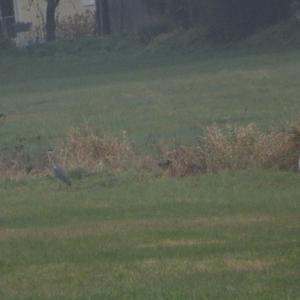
157 97
227 236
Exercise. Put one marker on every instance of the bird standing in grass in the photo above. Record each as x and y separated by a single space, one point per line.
58 171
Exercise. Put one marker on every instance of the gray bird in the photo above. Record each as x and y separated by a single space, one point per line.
58 171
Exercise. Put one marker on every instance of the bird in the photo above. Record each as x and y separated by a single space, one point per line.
58 171
165 164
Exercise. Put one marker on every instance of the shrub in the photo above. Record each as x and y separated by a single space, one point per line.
152 28
243 148
85 149
76 26
236 148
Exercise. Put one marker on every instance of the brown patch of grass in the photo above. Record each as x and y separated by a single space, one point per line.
175 266
99 228
211 265
242 265
229 221
180 243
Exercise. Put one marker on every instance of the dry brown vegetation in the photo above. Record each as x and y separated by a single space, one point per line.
236 148
84 149
76 26
168 223
11 167
17 166
230 148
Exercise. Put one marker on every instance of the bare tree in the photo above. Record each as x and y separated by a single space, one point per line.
103 17
50 20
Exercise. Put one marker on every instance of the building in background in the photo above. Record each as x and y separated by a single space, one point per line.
24 20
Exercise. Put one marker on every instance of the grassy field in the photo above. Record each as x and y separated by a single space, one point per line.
228 236
111 236
152 97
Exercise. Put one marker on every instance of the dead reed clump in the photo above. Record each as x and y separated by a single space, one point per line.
246 148
294 135
274 150
183 161
12 167
85 149
294 138
17 166
230 148
235 148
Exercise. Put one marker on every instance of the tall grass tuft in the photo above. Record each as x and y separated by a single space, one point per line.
85 149
236 148
183 161
12 167
244 148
